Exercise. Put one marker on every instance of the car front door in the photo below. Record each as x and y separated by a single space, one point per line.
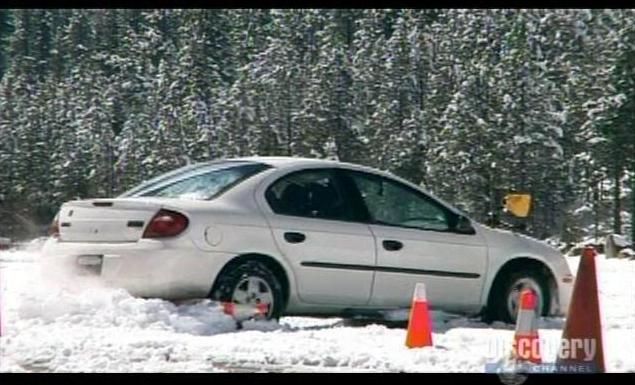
320 232
416 242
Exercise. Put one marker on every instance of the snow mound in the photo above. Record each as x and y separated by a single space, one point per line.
33 296
14 255
101 308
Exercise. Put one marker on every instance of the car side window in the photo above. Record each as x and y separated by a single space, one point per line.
310 193
392 203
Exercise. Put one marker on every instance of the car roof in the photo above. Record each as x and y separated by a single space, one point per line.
282 161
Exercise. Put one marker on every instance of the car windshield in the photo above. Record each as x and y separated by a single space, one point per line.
199 182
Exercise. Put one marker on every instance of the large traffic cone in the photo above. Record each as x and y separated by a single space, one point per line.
582 336
526 342
419 327
243 312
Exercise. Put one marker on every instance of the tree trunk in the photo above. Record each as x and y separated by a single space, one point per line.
596 209
617 203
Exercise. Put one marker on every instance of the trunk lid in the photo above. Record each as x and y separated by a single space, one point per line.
106 220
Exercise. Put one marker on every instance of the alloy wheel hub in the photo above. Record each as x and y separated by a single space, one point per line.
253 291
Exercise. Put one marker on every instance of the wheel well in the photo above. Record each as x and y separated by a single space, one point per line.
271 263
520 264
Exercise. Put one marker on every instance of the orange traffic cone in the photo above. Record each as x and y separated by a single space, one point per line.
526 342
582 336
243 312
419 329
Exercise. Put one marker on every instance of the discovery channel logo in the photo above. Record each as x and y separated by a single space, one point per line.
586 367
521 372
574 355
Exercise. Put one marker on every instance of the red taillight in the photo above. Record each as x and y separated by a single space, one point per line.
166 223
54 229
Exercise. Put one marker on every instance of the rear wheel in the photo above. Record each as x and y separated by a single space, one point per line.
506 296
250 283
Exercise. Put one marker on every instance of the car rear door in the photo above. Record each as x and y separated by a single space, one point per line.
319 231
415 243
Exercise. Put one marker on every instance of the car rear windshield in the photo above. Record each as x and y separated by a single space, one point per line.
198 182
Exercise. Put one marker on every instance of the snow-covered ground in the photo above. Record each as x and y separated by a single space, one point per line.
80 326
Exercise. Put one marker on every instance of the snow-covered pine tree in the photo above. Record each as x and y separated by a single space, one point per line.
468 103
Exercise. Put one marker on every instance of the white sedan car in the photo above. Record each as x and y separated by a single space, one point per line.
304 237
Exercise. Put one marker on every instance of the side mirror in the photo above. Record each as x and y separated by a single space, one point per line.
517 204
464 226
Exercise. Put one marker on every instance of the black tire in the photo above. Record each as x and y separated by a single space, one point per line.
498 309
229 279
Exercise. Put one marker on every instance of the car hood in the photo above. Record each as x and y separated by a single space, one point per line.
513 244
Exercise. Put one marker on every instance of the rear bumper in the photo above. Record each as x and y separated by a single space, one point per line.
146 268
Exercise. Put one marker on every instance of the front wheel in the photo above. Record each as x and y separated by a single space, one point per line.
250 283
506 298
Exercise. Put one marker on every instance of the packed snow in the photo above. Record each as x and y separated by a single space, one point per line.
80 326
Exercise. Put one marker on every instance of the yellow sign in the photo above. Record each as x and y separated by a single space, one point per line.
517 204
